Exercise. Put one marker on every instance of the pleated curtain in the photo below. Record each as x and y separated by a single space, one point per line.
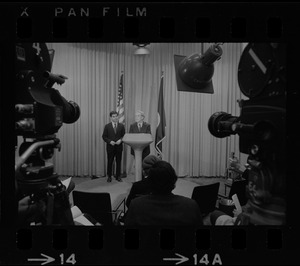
93 71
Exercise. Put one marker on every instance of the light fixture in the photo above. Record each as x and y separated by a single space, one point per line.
141 50
194 73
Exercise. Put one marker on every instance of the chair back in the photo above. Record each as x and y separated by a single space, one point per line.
239 188
96 204
206 197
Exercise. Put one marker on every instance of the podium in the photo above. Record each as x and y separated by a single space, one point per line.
137 141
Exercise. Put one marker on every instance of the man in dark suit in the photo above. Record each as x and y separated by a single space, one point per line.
140 126
142 187
112 135
162 207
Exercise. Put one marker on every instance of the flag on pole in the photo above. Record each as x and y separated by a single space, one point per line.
120 102
121 112
161 124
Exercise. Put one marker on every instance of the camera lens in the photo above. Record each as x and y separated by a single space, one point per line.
220 124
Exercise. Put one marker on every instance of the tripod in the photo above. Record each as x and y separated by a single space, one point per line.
38 180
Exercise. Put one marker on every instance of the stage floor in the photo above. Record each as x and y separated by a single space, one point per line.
131 178
184 186
120 190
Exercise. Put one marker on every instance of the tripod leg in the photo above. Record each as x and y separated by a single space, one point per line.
50 206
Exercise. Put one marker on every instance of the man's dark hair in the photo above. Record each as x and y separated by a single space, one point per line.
162 178
113 113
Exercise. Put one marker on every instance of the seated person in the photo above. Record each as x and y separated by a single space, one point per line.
220 218
264 204
142 187
162 207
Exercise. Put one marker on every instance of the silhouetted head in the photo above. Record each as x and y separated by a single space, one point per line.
148 163
162 177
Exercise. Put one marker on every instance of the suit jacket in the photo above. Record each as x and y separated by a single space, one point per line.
110 135
146 128
163 210
138 188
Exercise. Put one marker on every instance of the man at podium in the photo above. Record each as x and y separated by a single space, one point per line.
140 126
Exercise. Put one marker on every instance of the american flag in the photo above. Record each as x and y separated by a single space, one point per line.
120 103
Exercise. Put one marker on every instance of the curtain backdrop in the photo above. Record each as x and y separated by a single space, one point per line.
93 71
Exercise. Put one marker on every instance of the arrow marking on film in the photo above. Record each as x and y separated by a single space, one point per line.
180 260
46 260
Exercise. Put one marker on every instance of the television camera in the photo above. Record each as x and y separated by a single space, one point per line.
260 126
40 112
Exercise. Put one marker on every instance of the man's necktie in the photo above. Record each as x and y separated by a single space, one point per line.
139 125
115 128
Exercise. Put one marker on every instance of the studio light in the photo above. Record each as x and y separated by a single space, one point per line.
194 73
141 50
261 125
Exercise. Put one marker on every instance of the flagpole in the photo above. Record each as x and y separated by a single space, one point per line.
124 146
121 111
160 129
161 153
